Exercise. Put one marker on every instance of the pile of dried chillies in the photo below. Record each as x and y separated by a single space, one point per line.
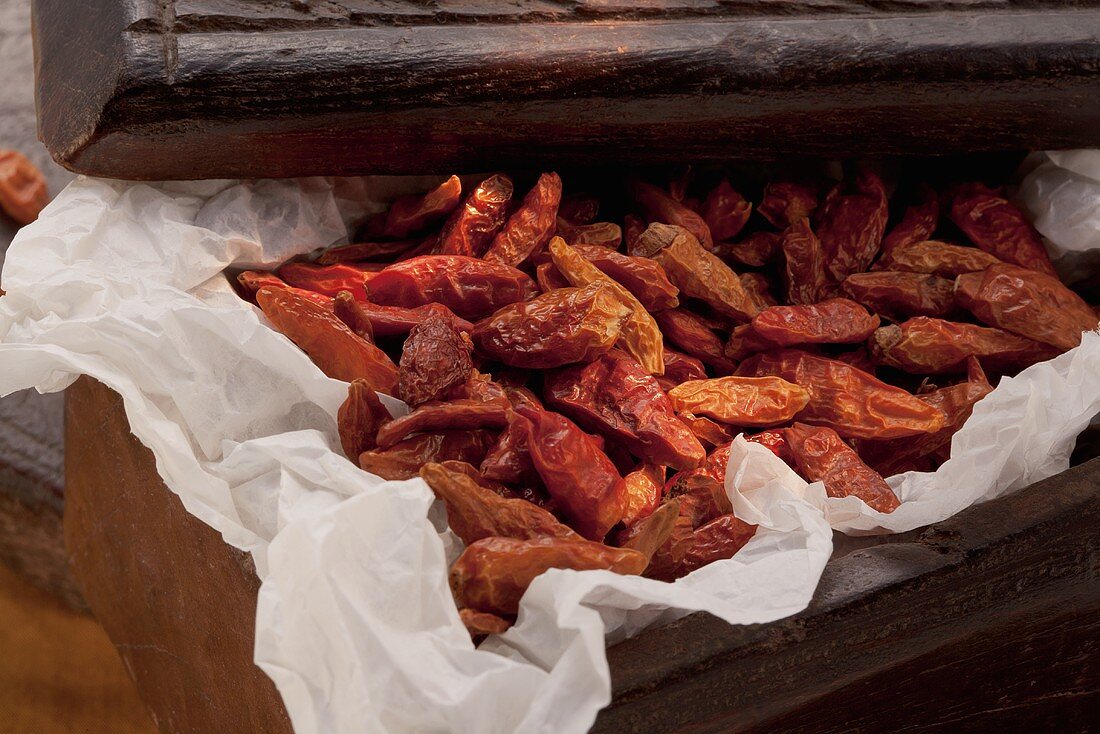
573 403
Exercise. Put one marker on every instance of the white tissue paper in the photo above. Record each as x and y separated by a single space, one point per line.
355 622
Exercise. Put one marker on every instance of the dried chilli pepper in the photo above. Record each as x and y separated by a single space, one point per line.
366 317
997 226
821 455
333 347
897 294
470 287
640 334
23 193
410 214
649 533
359 418
440 416
956 401
479 624
614 396
925 346
917 224
492 574
725 211
597 234
851 226
786 202
695 271
642 491
435 358
664 209
709 433
643 277
252 281
560 327
832 321
577 474
741 401
693 335
755 251
531 226
327 279
936 258
472 226
852 402
474 512
1026 302
807 280
404 459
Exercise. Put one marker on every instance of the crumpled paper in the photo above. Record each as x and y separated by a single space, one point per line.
355 622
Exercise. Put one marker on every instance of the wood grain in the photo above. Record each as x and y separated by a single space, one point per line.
976 621
59 674
177 602
214 88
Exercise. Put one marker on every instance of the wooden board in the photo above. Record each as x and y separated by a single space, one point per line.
177 602
983 621
183 89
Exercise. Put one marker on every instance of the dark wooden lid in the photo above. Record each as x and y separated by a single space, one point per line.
148 89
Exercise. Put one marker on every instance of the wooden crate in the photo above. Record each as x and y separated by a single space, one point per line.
980 622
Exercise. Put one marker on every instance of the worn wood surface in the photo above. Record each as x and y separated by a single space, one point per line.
177 602
984 621
31 470
163 89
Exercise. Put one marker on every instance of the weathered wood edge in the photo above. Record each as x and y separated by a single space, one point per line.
427 98
875 610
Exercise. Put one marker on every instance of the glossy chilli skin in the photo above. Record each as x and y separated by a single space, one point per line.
1026 302
822 456
805 258
613 395
436 357
833 321
410 214
742 401
474 512
936 258
848 400
561 327
472 226
492 574
640 334
333 347
926 346
470 287
577 473
998 227
695 271
897 294
531 226
918 223
663 208
725 211
851 226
